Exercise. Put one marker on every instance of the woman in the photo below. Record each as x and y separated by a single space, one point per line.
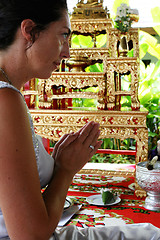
33 41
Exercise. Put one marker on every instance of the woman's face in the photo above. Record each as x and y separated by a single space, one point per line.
50 47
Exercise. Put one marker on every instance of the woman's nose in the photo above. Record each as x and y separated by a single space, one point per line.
65 53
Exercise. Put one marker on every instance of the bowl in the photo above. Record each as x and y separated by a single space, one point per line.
149 180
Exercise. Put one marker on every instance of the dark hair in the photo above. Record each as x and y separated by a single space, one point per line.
13 12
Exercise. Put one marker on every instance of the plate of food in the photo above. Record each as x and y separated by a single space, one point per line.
106 198
68 203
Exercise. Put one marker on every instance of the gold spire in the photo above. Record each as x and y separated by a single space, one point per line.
91 9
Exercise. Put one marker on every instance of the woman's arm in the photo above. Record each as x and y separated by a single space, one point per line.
29 215
72 153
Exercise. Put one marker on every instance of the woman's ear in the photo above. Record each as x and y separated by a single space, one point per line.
27 26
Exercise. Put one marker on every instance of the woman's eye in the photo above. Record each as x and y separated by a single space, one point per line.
65 35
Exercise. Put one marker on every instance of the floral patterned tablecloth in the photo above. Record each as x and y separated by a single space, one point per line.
129 210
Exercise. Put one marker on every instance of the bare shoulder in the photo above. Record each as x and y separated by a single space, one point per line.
11 102
14 123
15 132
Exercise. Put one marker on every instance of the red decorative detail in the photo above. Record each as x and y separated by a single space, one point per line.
135 131
27 99
112 131
103 119
110 120
110 109
135 109
79 224
100 224
60 120
85 120
89 225
27 86
91 219
37 119
70 99
135 120
59 133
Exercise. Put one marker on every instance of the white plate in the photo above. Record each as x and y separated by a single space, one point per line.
67 203
97 200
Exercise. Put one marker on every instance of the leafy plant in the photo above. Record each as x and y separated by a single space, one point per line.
116 4
149 96
80 41
123 18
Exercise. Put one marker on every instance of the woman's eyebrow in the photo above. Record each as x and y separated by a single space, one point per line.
69 30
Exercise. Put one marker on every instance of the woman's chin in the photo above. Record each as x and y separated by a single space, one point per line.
56 67
44 76
47 74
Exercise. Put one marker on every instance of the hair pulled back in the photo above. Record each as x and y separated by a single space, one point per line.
13 12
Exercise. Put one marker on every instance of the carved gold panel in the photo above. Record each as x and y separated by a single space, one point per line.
53 124
73 80
115 35
90 26
122 65
90 53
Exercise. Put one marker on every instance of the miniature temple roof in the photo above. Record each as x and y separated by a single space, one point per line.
91 9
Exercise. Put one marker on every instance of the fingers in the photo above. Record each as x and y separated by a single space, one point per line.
88 130
96 144
68 140
65 140
79 131
88 136
92 140
96 147
58 143
93 135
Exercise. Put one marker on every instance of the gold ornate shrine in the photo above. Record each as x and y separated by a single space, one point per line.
54 114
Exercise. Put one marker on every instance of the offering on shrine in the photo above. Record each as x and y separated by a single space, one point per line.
151 164
154 156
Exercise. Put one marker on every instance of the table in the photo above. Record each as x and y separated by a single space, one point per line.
129 210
